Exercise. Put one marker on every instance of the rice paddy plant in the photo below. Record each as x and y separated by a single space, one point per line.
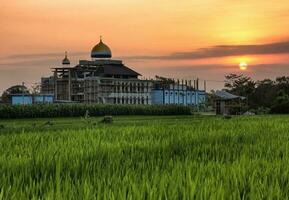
175 157
76 110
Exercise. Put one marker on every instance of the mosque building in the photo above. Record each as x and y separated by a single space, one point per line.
108 81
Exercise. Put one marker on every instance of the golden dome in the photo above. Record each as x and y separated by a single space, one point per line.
65 61
101 50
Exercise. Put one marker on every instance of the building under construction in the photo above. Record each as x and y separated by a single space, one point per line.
104 80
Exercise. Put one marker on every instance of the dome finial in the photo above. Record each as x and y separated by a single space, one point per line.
65 61
100 50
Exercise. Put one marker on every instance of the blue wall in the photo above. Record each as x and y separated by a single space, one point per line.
185 97
43 99
16 100
28 99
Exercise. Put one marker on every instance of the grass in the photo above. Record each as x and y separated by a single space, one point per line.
143 157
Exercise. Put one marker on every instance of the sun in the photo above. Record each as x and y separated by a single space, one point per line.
243 65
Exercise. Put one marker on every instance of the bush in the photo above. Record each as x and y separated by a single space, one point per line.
76 110
281 108
260 111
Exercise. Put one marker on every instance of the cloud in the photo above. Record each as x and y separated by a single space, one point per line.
202 53
223 51
43 55
29 63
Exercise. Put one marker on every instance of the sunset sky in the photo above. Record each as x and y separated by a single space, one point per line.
183 39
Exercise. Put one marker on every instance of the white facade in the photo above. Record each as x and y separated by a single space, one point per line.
117 91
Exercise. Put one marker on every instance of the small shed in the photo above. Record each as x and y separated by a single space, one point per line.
227 103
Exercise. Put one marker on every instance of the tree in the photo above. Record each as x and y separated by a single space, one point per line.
282 83
265 94
281 103
282 97
165 80
242 86
35 88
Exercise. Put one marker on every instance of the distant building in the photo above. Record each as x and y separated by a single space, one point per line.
227 103
104 80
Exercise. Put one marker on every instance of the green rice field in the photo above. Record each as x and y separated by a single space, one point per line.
145 157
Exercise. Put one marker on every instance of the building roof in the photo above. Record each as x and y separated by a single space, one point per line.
227 96
103 67
119 70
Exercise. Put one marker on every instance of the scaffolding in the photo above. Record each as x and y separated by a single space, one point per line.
83 85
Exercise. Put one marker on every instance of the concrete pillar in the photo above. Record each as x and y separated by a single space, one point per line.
55 85
69 85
